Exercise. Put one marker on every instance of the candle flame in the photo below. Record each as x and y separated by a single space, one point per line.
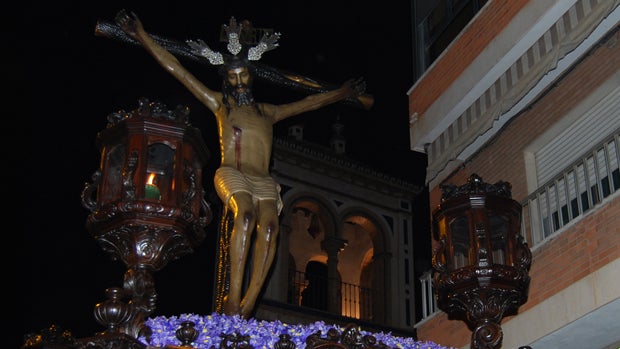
150 179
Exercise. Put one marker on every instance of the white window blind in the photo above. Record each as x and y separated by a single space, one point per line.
590 129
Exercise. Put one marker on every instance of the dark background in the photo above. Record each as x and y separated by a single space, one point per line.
66 81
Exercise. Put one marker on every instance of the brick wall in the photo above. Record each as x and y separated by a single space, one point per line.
580 249
481 31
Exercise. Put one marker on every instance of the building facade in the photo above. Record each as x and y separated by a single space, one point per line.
529 93
345 250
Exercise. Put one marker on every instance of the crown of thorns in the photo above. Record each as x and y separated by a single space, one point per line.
233 31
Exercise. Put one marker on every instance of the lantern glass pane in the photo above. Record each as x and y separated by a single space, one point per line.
159 172
112 174
499 225
459 233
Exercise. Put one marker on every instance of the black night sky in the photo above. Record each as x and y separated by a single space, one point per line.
68 80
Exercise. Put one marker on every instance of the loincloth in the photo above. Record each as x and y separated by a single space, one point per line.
229 181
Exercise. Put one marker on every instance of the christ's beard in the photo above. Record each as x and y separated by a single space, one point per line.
243 97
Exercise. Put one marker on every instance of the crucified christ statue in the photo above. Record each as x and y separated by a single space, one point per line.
245 126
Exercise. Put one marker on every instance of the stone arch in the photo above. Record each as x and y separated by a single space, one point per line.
310 218
366 262
305 220
322 208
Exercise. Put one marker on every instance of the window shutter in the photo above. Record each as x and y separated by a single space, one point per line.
590 129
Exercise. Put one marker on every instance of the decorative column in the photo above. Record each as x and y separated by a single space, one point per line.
381 308
333 245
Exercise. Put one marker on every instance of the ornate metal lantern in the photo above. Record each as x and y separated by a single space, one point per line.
149 207
481 262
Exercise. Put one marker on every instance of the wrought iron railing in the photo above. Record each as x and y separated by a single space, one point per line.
429 302
311 291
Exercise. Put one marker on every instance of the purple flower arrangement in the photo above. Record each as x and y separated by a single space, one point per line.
261 334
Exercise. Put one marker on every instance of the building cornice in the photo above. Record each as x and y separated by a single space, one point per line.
486 95
322 160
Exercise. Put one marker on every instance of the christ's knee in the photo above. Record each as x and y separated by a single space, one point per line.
268 231
245 221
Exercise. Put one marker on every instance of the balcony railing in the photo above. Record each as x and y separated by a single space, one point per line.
429 302
311 291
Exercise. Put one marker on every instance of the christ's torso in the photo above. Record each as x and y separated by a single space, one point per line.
245 140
